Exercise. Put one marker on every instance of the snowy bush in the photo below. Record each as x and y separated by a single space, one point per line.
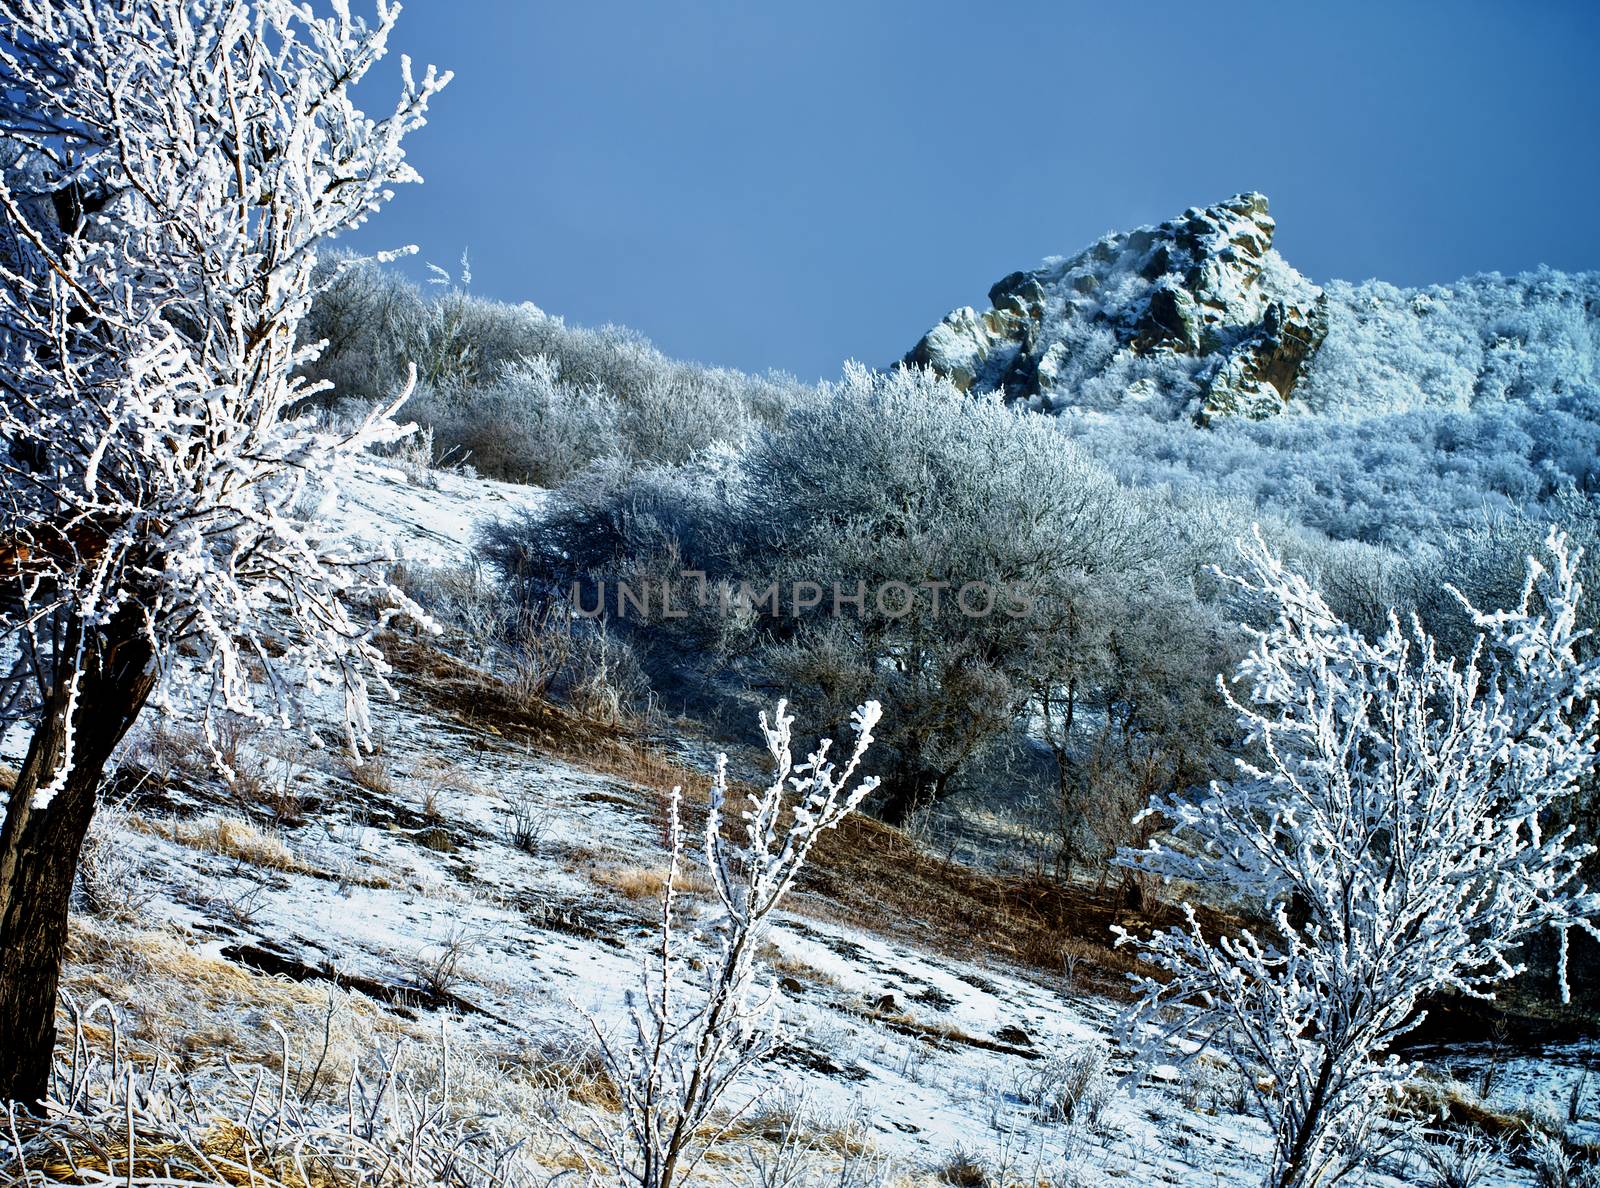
1072 1087
528 817
1388 830
1483 339
524 424
650 529
520 395
901 480
684 1047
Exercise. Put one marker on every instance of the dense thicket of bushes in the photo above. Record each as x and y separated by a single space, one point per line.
960 560
520 395
995 529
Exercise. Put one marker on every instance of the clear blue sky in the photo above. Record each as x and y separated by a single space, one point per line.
788 185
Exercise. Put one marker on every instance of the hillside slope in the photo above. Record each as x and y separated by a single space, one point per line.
491 874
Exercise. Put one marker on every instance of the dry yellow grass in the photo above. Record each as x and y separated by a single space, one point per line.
784 965
782 1120
243 841
223 1153
228 836
176 1000
435 774
582 1076
647 882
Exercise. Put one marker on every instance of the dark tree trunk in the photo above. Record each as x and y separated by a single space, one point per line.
39 847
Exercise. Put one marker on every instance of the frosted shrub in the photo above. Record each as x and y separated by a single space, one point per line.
608 683
675 415
462 597
1072 1087
1393 478
371 319
689 1038
113 880
903 478
1388 829
524 424
1212 1086
1459 1162
521 395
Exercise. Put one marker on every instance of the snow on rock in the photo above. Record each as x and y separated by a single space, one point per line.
1198 312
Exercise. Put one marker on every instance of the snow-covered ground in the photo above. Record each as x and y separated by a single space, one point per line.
431 522
401 879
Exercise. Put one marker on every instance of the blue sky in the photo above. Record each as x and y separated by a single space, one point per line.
790 185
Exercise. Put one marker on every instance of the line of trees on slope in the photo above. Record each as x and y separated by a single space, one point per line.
516 393
666 468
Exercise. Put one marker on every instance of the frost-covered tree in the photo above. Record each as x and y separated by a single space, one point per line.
958 518
686 1044
1390 834
172 167
1120 700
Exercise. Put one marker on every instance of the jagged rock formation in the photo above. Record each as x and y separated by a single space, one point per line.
1197 315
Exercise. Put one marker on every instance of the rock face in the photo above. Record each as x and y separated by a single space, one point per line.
1197 316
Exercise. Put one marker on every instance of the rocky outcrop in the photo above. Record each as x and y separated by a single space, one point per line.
1198 314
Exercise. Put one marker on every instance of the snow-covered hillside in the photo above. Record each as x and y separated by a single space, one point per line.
469 880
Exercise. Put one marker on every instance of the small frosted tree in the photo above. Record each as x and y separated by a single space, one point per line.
170 170
687 1044
1389 830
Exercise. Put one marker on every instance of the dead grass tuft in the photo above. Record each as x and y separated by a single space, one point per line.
371 774
963 1169
223 1153
582 1076
232 838
1461 1109
437 774
647 882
